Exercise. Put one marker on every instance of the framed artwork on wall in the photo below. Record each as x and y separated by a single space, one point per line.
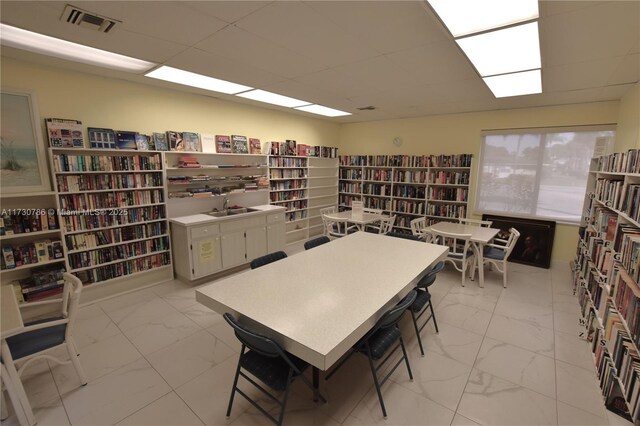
23 166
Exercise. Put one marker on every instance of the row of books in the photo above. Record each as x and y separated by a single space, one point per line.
287 162
133 216
376 203
402 206
381 175
609 191
446 210
17 255
447 177
104 273
605 221
626 296
21 221
459 160
351 187
448 194
106 163
376 189
621 232
287 195
295 215
96 239
345 200
404 221
620 162
630 203
294 205
106 200
288 184
408 191
410 176
75 183
351 174
292 148
630 254
43 282
119 252
287 173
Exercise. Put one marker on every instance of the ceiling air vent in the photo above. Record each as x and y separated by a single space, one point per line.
367 108
76 16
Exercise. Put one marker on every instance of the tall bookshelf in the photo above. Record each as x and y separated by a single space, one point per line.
113 217
323 190
606 275
432 186
239 178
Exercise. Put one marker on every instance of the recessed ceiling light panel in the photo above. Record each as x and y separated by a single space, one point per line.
503 51
464 17
516 84
273 98
200 81
50 46
322 110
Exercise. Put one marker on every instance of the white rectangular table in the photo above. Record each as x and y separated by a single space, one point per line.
359 219
318 303
480 236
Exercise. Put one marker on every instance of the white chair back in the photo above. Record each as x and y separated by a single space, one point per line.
460 254
420 229
476 222
386 224
338 227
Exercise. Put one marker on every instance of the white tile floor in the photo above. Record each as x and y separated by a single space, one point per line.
502 357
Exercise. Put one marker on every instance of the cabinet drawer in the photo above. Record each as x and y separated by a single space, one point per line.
275 218
234 225
205 230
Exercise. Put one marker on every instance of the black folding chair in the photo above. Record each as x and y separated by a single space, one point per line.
377 342
267 258
404 235
269 363
316 242
423 300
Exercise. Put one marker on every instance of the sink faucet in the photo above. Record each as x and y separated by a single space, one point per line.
225 204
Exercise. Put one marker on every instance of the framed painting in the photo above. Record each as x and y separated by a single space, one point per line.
23 166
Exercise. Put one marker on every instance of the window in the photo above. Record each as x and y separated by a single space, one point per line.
538 173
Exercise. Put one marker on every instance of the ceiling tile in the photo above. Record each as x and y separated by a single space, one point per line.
336 83
386 26
627 71
299 28
583 75
242 46
460 91
227 11
378 72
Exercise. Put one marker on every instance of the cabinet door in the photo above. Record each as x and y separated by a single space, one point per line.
233 249
256 242
276 236
206 256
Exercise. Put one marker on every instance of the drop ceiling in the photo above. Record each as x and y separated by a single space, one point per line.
393 55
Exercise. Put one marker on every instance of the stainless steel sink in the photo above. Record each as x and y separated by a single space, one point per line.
232 212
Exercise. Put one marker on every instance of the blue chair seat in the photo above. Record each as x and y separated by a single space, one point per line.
381 341
459 255
35 341
493 253
421 300
273 371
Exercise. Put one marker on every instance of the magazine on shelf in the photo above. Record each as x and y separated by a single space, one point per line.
142 142
101 138
223 144
160 141
64 133
191 141
126 139
208 142
254 146
239 144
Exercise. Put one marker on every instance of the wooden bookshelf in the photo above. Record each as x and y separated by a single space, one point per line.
606 272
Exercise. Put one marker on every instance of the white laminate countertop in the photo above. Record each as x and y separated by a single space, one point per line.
197 219
318 303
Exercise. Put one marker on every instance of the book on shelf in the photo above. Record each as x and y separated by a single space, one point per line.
254 146
208 142
64 133
160 141
191 141
142 142
223 144
126 139
174 139
239 144
101 138
290 147
188 162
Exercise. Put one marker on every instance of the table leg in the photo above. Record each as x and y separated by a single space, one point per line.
480 265
316 382
22 406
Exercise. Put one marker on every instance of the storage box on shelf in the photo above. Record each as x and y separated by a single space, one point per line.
113 217
303 185
207 179
606 274
31 244
409 186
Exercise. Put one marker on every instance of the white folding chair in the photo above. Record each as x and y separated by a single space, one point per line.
461 254
420 229
498 252
338 227
373 227
327 222
476 222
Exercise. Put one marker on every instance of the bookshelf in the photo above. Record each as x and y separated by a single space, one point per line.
30 229
322 189
239 178
113 217
432 186
606 273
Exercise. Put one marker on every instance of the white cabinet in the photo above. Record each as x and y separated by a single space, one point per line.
206 257
233 249
276 237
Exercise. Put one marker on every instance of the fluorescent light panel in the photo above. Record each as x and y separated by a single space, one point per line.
273 98
464 17
322 110
515 84
200 81
50 46
503 51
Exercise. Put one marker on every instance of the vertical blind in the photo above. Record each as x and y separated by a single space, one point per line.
538 173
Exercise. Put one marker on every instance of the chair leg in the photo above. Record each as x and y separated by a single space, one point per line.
406 358
376 383
433 315
15 400
504 274
286 398
415 325
464 271
235 385
73 355
9 369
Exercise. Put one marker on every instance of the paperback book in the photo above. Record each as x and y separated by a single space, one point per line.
208 142
191 141
175 141
142 142
239 144
223 144
63 133
254 146
160 141
101 138
126 139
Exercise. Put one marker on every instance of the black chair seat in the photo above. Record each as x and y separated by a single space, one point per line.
272 371
381 341
35 341
404 235
316 242
267 258
493 253
421 300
